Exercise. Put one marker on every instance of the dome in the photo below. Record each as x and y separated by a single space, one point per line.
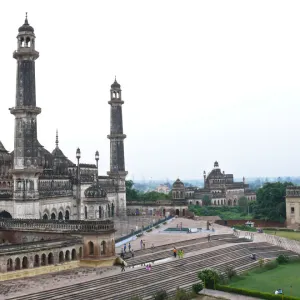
216 164
26 26
58 153
115 85
95 191
178 184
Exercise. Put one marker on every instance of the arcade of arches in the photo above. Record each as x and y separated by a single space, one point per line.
97 248
20 262
56 216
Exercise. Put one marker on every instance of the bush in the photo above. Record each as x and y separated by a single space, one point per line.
139 235
149 230
209 277
253 293
160 295
245 228
282 259
261 262
164 223
183 295
230 272
157 226
197 287
271 265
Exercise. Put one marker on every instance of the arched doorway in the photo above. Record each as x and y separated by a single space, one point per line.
50 258
43 260
103 248
85 212
36 261
6 215
60 216
197 203
80 252
61 257
164 212
100 212
53 216
17 264
25 263
67 216
177 212
91 248
112 210
183 212
9 265
74 254
45 217
67 256
234 202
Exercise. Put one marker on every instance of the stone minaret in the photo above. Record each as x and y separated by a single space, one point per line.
26 167
116 137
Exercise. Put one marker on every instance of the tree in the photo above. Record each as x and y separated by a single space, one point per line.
270 201
243 204
131 193
206 200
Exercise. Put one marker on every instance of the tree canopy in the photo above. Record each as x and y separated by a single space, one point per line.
270 201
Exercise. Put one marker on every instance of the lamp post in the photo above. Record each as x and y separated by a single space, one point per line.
78 155
97 160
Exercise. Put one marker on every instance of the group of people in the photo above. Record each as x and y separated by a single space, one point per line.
179 252
123 250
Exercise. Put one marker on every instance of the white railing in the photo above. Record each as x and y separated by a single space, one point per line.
285 243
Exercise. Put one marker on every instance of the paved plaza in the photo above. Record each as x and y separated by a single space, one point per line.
19 287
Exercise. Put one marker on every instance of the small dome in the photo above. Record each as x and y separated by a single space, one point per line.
115 85
58 153
178 184
216 164
95 191
26 26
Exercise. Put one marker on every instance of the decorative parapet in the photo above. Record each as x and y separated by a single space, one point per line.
75 226
293 191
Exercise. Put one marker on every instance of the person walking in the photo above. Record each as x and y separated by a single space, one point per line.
129 246
175 252
141 243
208 238
125 248
132 253
123 266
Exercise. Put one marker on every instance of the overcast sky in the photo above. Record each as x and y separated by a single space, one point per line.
201 80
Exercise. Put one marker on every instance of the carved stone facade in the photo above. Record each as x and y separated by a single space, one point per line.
218 186
36 183
293 207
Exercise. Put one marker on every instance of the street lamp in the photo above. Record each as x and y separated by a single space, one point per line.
78 155
97 160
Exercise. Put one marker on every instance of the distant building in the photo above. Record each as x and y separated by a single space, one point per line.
164 189
218 186
292 201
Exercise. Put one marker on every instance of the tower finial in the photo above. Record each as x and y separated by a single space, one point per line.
26 20
115 78
56 141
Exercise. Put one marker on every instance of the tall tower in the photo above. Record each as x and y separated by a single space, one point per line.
26 166
116 137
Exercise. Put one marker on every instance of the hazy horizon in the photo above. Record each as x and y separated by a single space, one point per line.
201 80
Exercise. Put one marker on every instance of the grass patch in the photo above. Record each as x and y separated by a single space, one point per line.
283 276
287 234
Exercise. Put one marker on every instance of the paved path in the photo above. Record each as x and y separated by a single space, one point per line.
225 295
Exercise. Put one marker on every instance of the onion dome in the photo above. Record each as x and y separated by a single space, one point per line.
26 26
178 184
115 85
95 191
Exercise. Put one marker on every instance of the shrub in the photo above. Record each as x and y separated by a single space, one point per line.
261 262
282 259
157 226
230 272
183 295
164 223
160 295
197 287
209 277
253 293
271 265
149 230
139 235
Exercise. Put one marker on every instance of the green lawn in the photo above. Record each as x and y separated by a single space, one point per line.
286 234
283 277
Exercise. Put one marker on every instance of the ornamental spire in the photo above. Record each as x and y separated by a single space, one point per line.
56 141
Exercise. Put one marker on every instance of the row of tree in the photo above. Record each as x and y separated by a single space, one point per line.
134 195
